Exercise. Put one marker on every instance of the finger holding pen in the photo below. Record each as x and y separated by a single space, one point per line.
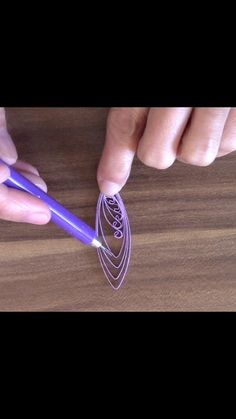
16 205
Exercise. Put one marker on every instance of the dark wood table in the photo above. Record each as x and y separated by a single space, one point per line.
182 219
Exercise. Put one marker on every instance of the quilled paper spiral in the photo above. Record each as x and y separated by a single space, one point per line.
112 219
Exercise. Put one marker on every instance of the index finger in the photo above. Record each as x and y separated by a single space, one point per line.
125 127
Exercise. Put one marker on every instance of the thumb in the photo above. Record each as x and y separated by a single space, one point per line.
124 130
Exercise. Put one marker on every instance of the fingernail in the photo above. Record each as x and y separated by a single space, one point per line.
109 188
38 218
38 181
9 160
42 185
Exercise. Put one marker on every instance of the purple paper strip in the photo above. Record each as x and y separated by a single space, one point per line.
112 220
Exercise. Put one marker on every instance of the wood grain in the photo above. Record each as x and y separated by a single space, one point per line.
183 227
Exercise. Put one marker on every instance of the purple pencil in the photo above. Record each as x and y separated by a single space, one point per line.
60 215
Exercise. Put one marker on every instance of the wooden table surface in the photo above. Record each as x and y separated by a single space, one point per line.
182 219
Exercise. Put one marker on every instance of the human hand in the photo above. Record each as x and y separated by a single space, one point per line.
16 205
159 136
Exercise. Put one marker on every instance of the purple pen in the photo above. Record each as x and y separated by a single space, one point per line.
60 215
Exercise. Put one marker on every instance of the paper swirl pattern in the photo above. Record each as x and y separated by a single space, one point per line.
112 220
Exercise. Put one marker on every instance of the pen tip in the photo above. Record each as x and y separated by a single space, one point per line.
96 243
106 250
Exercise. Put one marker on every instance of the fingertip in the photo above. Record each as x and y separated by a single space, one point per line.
109 188
26 167
37 180
38 218
19 206
111 183
124 129
9 159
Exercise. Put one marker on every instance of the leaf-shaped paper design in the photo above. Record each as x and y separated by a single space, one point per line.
113 229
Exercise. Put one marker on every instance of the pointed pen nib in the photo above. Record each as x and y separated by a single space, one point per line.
96 243
107 251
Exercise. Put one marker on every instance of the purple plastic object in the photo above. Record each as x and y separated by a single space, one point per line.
60 215
112 220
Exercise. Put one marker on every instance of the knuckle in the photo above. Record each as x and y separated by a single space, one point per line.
150 160
202 153
124 121
208 147
228 146
198 159
215 113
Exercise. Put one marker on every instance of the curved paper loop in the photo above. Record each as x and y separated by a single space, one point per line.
112 220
